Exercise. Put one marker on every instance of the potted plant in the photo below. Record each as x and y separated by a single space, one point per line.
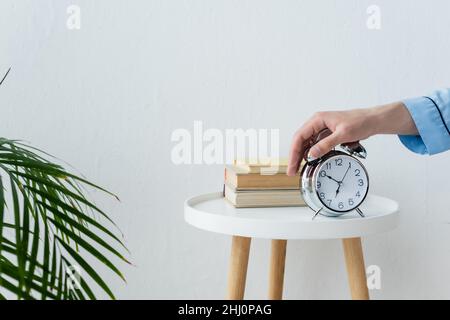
49 228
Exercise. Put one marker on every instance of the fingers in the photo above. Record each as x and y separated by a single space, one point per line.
324 146
298 143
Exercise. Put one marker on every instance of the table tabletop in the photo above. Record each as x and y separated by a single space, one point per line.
213 213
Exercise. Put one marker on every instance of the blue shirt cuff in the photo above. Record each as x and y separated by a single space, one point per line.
433 136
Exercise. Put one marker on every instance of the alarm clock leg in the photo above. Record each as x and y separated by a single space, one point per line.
360 212
276 273
237 273
355 268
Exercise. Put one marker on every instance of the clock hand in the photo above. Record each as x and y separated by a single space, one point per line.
340 182
345 172
331 178
337 190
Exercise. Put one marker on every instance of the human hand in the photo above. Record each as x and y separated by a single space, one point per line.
348 126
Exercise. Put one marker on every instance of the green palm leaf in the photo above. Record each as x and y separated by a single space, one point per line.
48 226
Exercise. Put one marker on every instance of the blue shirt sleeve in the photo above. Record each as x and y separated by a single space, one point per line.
431 114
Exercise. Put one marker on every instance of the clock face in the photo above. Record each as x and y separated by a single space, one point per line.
341 183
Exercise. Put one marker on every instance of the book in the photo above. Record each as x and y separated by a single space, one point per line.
263 198
240 179
266 167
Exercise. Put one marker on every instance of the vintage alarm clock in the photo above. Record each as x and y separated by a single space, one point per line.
336 183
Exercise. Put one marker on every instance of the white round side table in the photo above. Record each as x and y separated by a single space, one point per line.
213 213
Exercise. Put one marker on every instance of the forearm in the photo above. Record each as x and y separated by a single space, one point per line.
421 123
392 118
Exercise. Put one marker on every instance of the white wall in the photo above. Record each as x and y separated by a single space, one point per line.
107 97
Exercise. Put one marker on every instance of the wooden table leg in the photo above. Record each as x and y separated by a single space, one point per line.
355 268
276 272
237 273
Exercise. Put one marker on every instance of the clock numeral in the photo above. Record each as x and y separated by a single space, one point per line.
322 195
341 205
338 162
319 184
328 165
360 182
351 202
358 194
329 202
322 173
357 172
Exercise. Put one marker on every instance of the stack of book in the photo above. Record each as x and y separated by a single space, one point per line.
250 185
